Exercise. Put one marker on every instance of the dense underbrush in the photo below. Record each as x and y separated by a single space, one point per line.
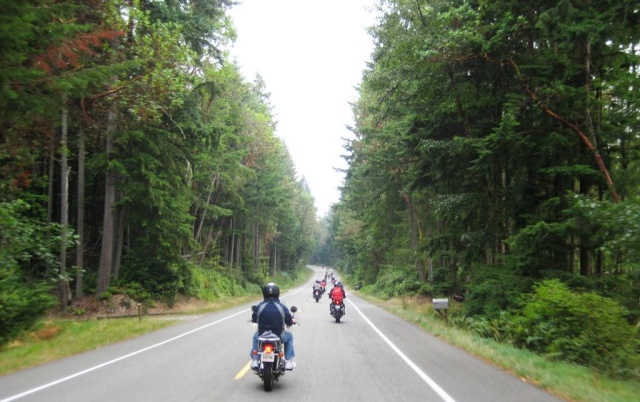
21 306
553 320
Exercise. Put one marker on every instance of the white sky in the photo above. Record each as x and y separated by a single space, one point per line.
311 55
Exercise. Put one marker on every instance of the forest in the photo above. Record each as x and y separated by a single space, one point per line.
136 158
495 161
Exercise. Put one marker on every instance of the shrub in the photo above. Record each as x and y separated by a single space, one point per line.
24 251
150 277
583 328
211 284
498 328
494 289
396 282
22 303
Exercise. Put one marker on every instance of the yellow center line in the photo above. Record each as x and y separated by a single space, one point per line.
243 371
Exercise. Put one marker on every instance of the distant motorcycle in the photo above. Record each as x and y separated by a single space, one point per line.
271 357
317 294
337 310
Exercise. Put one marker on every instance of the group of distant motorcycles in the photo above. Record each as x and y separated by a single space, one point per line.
336 308
270 346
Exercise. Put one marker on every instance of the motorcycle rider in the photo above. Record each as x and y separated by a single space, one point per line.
271 315
317 286
337 295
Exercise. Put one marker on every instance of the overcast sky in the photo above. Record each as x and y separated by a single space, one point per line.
311 54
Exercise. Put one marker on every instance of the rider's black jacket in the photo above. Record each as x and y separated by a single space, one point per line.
271 318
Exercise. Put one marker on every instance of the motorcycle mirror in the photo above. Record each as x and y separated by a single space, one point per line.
293 309
253 308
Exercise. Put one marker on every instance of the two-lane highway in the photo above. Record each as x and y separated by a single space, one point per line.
370 356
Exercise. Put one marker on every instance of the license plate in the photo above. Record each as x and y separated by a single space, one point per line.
268 357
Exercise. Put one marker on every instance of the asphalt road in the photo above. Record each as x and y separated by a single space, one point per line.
369 356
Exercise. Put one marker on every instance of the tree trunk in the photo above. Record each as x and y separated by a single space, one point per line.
232 243
256 247
108 225
238 251
275 256
585 258
51 171
64 208
428 233
117 258
413 224
207 243
599 262
241 246
204 213
80 215
52 158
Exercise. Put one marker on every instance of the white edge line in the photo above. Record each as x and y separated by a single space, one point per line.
51 384
434 386
78 374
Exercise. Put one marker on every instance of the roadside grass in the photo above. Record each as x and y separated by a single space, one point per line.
54 338
566 381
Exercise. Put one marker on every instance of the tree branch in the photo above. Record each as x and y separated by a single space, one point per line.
585 139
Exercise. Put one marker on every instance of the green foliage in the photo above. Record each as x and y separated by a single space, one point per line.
24 291
25 241
212 283
396 282
206 195
498 327
132 289
612 226
494 289
151 275
22 301
476 124
583 328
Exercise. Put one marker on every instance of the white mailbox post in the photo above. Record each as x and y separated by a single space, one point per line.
441 306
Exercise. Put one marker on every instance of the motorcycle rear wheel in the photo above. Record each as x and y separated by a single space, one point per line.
267 376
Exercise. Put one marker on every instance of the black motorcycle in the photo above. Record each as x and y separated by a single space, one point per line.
317 294
271 357
337 310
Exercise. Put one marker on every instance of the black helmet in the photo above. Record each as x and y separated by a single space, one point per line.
270 290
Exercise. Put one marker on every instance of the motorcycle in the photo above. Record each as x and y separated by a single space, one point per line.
337 310
317 294
271 357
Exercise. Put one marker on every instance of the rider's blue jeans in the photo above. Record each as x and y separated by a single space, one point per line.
287 339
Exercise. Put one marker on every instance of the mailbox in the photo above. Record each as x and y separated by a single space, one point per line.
441 304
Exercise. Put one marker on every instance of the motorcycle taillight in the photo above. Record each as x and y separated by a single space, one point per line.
268 348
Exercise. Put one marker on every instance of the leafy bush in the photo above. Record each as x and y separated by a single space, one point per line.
24 296
395 282
22 303
133 290
494 289
211 283
156 277
498 328
584 328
